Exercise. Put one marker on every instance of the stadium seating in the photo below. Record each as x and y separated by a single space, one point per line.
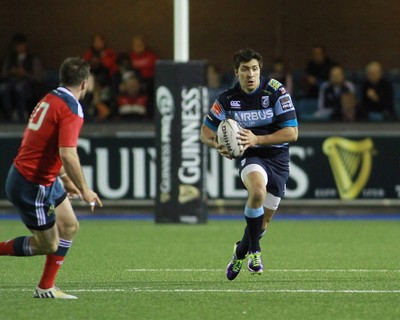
306 107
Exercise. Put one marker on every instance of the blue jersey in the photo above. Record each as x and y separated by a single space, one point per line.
264 111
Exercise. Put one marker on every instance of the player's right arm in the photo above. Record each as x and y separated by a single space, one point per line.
208 136
71 163
208 131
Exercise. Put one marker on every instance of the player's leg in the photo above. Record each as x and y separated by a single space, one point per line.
40 243
255 182
29 199
37 205
276 181
67 226
255 179
243 245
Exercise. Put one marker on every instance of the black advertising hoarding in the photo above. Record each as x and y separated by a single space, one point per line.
124 168
347 168
181 96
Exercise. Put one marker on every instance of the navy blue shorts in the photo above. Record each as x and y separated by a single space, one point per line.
35 203
276 167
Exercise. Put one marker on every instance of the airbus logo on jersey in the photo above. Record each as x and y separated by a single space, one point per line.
235 104
254 115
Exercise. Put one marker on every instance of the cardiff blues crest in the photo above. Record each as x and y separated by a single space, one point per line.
265 101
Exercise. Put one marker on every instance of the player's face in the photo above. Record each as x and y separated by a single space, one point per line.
249 75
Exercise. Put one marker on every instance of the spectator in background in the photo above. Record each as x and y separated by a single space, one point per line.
100 51
142 58
98 103
280 73
215 85
317 71
124 68
377 94
21 76
144 61
132 102
330 95
349 107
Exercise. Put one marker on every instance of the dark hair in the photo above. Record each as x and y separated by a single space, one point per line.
319 46
245 55
73 71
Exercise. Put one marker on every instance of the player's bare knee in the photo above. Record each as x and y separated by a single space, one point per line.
257 195
68 229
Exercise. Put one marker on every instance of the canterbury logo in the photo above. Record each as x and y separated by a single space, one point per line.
351 163
235 103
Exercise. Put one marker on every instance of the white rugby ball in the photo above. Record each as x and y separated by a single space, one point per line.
227 135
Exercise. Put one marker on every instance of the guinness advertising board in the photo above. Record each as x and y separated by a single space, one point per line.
362 167
181 97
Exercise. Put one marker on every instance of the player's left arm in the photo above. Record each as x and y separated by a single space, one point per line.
284 135
69 186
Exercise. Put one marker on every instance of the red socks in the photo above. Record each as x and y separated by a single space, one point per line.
53 263
7 248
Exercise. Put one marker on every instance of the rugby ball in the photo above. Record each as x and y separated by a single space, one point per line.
227 135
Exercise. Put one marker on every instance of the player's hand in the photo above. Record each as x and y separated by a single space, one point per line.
92 198
223 151
72 191
247 138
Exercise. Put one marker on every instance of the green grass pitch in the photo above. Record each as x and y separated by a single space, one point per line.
141 270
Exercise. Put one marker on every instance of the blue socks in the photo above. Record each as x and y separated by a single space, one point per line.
252 233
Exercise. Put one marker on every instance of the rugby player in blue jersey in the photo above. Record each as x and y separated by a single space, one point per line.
265 111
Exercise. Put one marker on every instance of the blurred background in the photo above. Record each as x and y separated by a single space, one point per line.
311 46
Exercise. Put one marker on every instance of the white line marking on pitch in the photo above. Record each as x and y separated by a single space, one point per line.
233 290
220 290
270 270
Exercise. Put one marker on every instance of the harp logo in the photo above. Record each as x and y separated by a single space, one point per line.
351 163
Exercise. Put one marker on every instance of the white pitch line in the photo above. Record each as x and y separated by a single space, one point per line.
269 270
153 290
235 290
174 270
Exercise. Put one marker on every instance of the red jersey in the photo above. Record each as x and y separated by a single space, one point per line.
145 63
55 122
132 105
108 58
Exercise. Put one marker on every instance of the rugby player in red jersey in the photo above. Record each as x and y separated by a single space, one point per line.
49 150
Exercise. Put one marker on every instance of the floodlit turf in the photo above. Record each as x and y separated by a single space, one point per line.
140 270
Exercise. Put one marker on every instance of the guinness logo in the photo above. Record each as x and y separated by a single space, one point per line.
188 193
351 163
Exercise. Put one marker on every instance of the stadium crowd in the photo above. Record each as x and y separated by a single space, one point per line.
122 85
